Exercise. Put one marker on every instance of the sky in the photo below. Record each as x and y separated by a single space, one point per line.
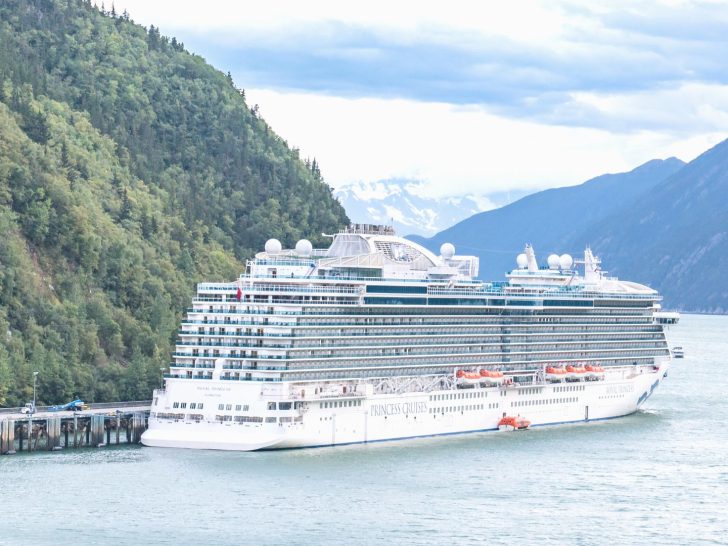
469 97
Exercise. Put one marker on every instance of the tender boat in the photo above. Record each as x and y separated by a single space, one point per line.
594 373
575 373
555 374
511 423
471 378
492 377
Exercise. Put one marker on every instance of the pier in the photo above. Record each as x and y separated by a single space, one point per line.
104 424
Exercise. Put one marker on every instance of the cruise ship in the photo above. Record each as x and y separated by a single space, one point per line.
377 338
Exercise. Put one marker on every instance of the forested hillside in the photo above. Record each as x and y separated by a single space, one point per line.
129 170
675 237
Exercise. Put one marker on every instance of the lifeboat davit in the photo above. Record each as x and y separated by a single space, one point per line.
513 423
468 377
492 377
555 373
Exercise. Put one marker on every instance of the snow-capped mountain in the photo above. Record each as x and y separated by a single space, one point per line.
405 204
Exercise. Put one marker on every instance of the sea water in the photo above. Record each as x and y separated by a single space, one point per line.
659 476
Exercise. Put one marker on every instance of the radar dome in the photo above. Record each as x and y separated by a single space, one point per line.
522 261
554 261
447 250
272 246
304 247
566 261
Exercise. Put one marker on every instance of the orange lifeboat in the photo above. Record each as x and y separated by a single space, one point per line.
468 377
594 373
513 423
576 373
555 373
492 376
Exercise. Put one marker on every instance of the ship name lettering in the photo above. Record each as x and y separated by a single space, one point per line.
618 389
397 408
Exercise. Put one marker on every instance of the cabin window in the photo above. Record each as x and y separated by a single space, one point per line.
175 405
221 406
284 405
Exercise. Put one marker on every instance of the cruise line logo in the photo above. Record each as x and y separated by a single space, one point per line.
397 408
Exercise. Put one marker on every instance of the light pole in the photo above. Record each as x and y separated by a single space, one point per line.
35 376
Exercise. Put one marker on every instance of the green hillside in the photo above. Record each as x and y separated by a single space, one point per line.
129 170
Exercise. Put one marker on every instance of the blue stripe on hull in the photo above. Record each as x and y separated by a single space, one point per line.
448 433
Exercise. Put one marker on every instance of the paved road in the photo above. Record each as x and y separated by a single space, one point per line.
96 409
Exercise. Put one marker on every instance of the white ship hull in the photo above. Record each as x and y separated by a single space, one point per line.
376 339
381 417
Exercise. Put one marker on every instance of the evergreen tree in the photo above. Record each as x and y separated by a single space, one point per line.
130 170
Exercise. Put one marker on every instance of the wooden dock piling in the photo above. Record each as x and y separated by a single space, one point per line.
46 430
7 437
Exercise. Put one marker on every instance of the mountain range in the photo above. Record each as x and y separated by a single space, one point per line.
664 224
675 236
406 205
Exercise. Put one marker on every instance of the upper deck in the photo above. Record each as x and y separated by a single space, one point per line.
364 257
377 305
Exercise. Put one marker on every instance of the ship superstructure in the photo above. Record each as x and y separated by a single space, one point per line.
377 338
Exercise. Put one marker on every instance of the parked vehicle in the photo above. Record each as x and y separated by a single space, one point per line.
74 405
28 409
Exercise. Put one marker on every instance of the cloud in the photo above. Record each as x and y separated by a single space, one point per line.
475 98
455 151
557 65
